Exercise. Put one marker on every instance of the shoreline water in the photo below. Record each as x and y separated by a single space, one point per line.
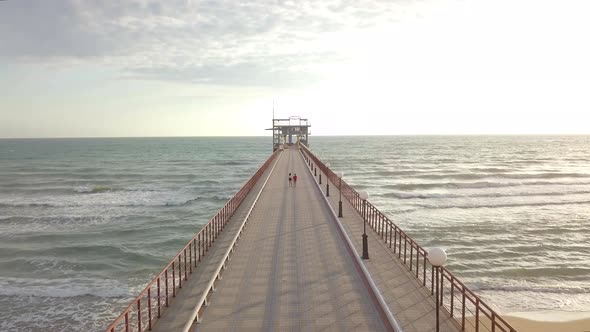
550 321
540 321
551 315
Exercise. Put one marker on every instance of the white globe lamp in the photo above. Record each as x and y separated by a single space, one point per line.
437 256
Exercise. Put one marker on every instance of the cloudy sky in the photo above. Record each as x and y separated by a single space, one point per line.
71 68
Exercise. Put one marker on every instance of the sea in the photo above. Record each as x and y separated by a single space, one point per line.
85 223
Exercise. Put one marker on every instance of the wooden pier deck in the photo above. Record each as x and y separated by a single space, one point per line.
293 269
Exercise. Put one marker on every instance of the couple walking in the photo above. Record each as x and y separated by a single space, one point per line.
293 180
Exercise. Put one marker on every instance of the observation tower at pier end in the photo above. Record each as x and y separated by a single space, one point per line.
293 130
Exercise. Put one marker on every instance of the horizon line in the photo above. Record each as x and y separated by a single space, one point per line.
349 135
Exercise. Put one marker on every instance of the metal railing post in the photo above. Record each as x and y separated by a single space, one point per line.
139 315
166 284
149 304
173 280
159 297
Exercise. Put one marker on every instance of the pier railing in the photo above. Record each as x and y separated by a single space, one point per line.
470 312
153 300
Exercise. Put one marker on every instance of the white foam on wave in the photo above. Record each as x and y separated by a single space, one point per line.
510 295
484 184
483 194
478 205
26 313
103 197
63 288
94 189
553 286
552 315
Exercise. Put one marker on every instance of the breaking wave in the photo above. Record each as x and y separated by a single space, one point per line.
501 205
63 288
405 195
474 185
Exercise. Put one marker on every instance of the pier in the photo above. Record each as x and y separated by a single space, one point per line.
278 257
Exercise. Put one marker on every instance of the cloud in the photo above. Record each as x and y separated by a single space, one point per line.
218 42
46 29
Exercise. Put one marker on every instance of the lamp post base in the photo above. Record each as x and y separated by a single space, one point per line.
365 247
339 209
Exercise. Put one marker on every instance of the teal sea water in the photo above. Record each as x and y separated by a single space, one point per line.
85 223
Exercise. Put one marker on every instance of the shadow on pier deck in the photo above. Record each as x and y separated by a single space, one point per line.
282 260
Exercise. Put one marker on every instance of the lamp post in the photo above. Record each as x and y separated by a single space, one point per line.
364 195
437 257
327 180
339 175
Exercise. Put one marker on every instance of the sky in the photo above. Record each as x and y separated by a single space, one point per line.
84 68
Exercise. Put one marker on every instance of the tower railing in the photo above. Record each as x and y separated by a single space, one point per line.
153 300
468 310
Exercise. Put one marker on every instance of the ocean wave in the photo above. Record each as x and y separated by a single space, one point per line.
491 169
555 289
385 173
207 182
122 201
85 176
51 265
79 250
503 205
95 189
405 195
451 185
474 185
232 163
27 204
183 203
63 288
557 271
453 176
499 175
545 175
